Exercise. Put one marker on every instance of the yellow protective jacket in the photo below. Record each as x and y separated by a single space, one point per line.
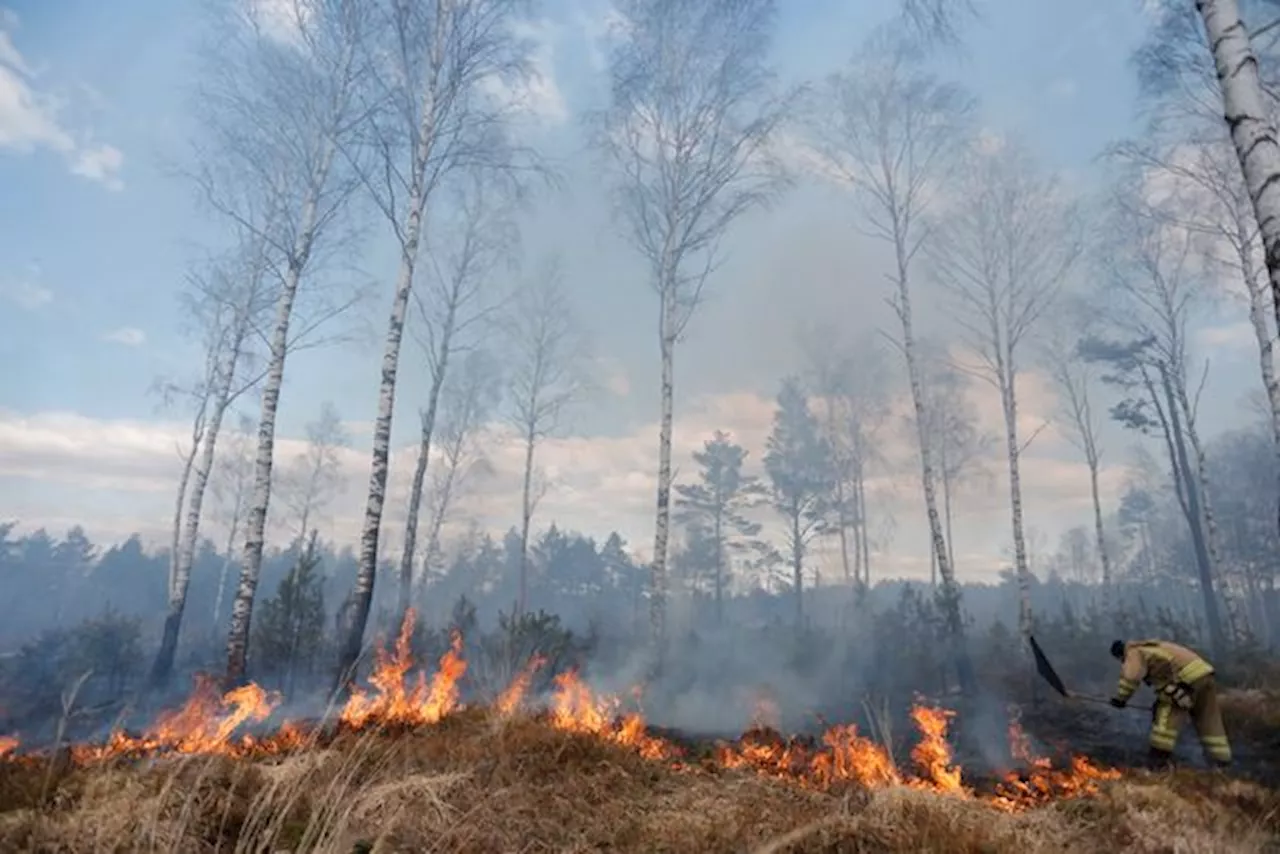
1161 664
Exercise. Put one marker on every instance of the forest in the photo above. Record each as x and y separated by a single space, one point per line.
1025 308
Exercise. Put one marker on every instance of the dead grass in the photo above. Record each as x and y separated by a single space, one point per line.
472 784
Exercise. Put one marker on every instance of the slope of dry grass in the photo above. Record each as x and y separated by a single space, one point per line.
476 783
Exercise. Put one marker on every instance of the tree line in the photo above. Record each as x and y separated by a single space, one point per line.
327 121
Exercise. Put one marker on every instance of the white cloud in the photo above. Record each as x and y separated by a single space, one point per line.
102 164
129 336
597 484
29 117
26 293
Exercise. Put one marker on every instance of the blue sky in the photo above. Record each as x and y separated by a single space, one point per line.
96 232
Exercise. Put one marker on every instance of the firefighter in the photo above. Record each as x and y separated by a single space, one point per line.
1184 686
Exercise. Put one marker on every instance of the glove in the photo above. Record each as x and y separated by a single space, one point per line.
1118 703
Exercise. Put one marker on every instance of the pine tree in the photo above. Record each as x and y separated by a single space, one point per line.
798 462
712 509
291 626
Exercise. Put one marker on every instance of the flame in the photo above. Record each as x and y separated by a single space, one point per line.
513 696
933 754
393 703
1042 782
575 708
204 724
842 757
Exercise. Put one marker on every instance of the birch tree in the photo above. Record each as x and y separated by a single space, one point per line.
547 356
1150 268
1003 254
1075 379
956 439
229 302
281 106
453 308
1187 153
232 488
468 402
315 477
687 137
890 131
1248 115
437 117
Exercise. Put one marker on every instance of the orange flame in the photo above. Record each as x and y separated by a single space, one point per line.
513 696
393 703
207 721
204 724
575 708
933 754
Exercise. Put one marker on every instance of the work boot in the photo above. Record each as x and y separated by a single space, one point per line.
1159 760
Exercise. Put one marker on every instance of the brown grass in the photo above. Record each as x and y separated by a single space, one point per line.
477 784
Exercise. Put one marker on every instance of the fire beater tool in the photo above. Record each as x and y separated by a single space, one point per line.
1045 669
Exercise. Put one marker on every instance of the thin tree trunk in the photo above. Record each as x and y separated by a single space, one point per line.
1266 347
415 494
719 568
162 667
227 561
366 574
526 520
797 566
256 524
866 531
950 594
424 455
1099 532
184 481
1009 396
1195 516
946 505
662 523
1246 110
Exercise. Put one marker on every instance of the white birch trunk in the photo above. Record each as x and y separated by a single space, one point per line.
950 594
1099 532
163 666
227 561
256 523
366 574
1012 449
662 522
416 489
526 518
1266 346
1247 114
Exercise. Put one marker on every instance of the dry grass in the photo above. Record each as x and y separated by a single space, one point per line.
473 784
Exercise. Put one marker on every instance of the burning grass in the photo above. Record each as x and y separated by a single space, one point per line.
406 767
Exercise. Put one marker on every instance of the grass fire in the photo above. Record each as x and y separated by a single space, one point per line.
404 764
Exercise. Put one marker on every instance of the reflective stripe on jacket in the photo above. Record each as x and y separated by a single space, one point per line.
1160 664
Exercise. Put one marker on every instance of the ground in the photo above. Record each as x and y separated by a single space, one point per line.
486 782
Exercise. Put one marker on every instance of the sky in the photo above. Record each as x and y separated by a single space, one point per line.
98 230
